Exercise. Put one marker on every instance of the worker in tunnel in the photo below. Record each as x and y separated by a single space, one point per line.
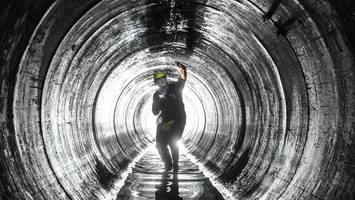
168 103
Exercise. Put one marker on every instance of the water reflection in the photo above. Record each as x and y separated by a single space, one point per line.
147 180
168 188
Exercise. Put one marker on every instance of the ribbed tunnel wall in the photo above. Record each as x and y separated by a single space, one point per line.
269 102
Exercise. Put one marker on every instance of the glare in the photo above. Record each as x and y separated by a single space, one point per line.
181 146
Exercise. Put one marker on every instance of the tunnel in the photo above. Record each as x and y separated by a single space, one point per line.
269 97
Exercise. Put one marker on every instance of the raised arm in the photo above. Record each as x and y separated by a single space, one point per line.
182 72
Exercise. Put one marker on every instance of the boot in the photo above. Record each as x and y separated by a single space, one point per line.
175 168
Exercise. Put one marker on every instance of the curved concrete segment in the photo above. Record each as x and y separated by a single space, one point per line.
269 95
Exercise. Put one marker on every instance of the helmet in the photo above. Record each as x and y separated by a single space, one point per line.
159 74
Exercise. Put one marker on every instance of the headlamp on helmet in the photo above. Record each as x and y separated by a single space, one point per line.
159 74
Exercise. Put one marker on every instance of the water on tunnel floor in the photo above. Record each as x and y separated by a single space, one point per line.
147 180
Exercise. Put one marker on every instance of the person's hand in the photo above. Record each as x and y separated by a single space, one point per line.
159 120
182 69
181 66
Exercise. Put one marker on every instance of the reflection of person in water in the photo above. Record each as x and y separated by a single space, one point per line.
168 190
172 118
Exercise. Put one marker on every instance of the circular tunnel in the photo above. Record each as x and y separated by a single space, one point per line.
269 95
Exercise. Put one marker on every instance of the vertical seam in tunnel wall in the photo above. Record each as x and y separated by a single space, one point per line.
134 124
332 71
217 125
307 106
97 145
89 7
40 106
307 111
11 68
40 94
217 113
307 97
339 69
238 144
204 128
282 96
95 132
279 84
234 83
308 118
244 108
204 114
284 107
115 111
236 88
302 101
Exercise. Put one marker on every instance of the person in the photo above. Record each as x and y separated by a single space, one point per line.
168 103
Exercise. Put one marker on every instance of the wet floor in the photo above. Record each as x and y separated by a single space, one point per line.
147 181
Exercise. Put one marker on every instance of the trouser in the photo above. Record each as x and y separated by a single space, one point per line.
165 138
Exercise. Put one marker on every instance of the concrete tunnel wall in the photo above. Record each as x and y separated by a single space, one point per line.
270 104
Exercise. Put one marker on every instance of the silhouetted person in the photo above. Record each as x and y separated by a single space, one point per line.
168 103
166 190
